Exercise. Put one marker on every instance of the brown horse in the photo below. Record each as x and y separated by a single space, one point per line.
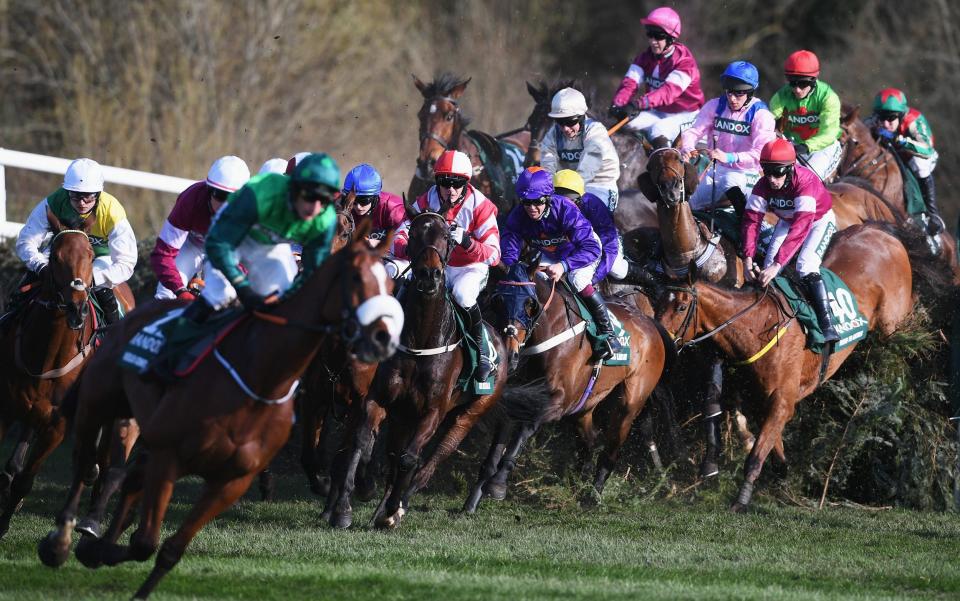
539 121
873 166
44 350
541 322
444 127
742 323
244 417
416 389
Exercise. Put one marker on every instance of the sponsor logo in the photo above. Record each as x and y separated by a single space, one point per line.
811 119
737 128
151 344
571 156
135 360
782 204
379 235
550 242
653 82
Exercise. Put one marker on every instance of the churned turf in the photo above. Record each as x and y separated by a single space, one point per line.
662 549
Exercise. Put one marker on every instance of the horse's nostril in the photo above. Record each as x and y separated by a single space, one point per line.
382 338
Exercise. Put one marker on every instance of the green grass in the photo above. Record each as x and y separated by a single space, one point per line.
680 548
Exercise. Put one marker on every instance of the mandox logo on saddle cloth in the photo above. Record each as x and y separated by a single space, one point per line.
847 319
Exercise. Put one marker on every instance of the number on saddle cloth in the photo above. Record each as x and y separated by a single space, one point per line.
847 318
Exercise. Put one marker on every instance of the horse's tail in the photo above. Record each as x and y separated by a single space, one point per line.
932 274
527 402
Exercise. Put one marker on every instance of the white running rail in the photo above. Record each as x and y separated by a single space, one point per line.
48 164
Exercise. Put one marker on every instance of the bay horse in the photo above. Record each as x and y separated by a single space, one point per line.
243 417
416 390
541 323
867 163
751 327
444 127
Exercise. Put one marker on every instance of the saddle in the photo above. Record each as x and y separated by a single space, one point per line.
849 322
622 334
471 349
171 347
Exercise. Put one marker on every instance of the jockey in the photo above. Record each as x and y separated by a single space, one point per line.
568 183
582 144
258 226
736 126
907 131
178 253
274 165
812 111
673 95
567 243
385 210
473 227
114 245
799 199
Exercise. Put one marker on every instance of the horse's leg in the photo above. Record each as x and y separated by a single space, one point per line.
743 429
89 549
781 410
622 415
711 419
216 497
497 486
586 442
48 439
368 416
452 438
17 460
406 466
313 425
646 434
110 462
371 463
488 468
160 474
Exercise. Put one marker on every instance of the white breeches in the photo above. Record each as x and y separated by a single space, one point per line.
272 269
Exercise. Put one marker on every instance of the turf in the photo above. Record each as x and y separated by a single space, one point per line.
662 549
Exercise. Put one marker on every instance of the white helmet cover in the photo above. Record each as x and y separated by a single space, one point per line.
568 103
228 173
275 165
84 175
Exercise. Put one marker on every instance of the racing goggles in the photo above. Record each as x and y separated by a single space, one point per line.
776 169
800 83
655 33
366 199
535 202
567 121
217 194
451 181
888 116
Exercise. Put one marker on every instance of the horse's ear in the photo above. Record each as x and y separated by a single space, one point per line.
384 247
457 90
56 226
346 202
420 85
677 142
647 146
534 92
781 123
408 207
645 183
854 114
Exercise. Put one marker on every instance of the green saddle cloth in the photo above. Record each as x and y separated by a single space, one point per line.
471 354
912 197
847 319
171 346
596 340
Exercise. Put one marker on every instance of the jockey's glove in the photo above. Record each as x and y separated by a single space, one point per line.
884 133
801 148
250 300
617 112
460 236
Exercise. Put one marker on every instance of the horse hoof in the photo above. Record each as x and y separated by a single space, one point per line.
496 490
391 522
88 552
738 508
709 469
52 554
341 521
89 527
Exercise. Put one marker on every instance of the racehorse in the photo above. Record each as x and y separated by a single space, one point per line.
46 346
244 417
541 323
539 121
753 327
417 388
443 127
864 158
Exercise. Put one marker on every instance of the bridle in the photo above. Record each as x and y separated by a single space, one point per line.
690 317
856 169
443 256
425 135
680 175
510 330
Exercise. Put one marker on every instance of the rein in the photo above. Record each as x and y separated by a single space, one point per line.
689 318
856 169
73 363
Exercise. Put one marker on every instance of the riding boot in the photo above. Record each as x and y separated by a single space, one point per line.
929 193
485 364
737 200
198 311
608 345
108 304
817 294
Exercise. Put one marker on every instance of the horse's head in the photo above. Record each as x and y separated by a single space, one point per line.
345 223
516 309
429 248
372 318
440 119
539 121
856 141
69 275
668 179
675 307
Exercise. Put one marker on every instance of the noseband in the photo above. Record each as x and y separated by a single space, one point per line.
429 135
